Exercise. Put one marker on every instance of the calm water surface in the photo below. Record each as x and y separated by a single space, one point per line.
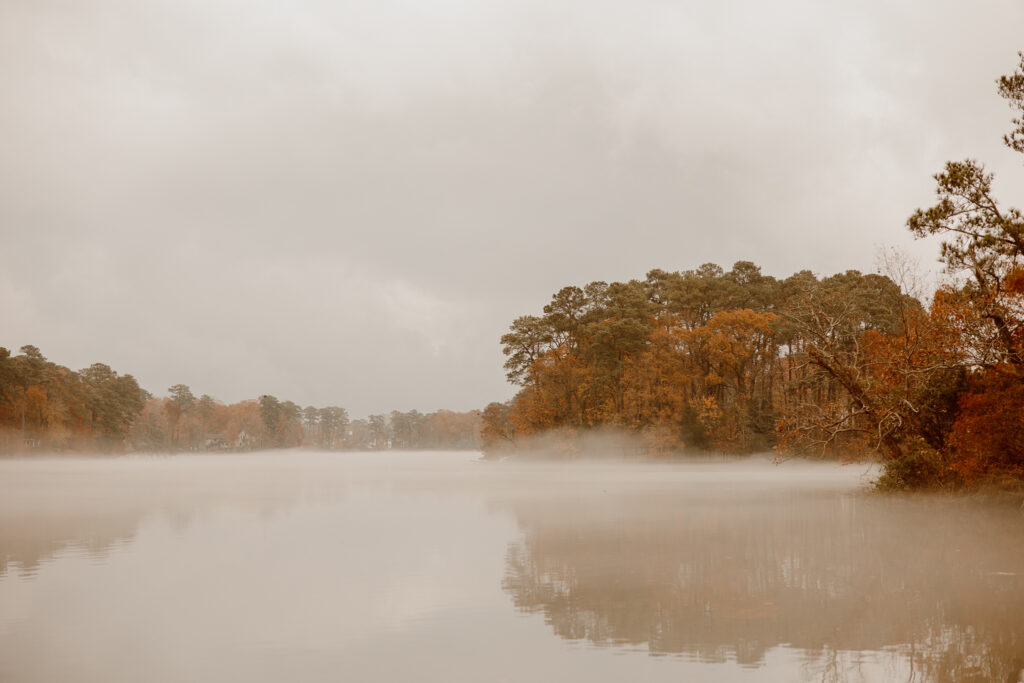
437 567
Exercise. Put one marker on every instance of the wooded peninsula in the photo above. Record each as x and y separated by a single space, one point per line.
736 361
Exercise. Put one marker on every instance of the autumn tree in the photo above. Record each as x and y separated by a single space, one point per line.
113 402
270 414
832 319
496 430
732 359
617 324
378 431
333 423
983 245
151 431
179 408
206 409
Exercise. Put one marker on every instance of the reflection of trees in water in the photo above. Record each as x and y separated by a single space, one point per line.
97 507
36 536
966 653
938 583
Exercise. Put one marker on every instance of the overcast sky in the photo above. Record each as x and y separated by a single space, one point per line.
347 202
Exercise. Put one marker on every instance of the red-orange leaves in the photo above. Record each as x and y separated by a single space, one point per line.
988 436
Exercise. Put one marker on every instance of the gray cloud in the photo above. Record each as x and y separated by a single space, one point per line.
348 202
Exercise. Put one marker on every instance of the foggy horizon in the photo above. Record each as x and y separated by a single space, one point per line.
343 205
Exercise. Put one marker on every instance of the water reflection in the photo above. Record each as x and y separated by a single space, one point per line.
717 574
389 567
53 507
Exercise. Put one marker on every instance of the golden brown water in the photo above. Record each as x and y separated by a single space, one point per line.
436 567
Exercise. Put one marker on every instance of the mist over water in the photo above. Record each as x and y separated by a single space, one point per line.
440 567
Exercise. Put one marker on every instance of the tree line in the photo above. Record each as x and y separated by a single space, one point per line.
47 407
738 361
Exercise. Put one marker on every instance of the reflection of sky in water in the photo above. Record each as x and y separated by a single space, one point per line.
435 567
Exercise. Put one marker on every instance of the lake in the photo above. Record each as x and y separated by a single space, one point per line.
439 567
